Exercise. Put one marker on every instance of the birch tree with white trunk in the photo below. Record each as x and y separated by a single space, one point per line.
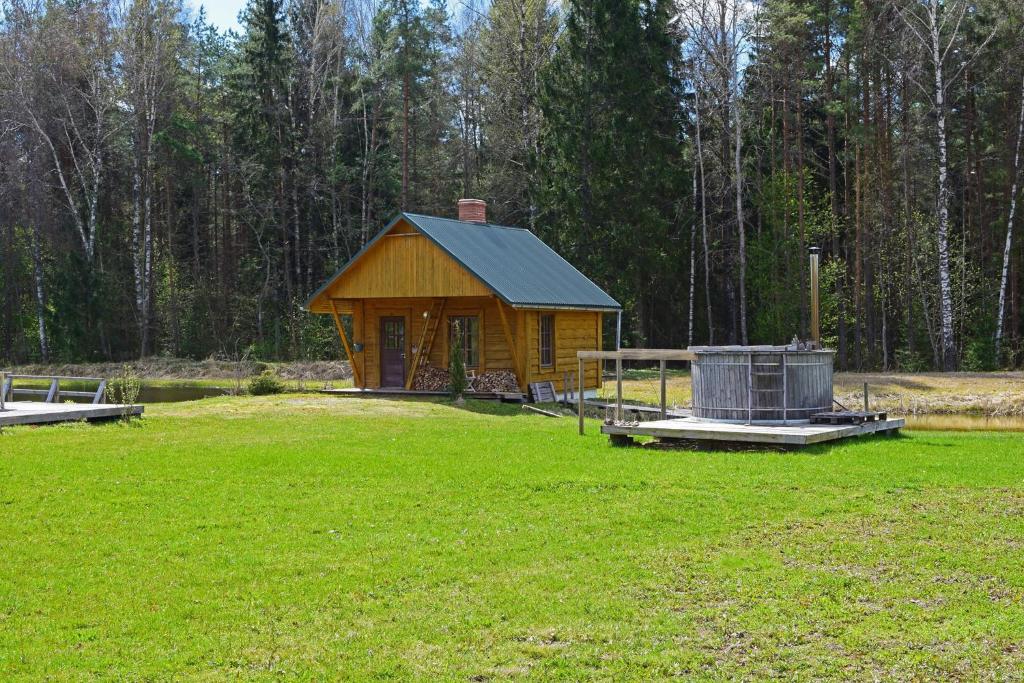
148 45
1008 247
72 54
936 27
717 32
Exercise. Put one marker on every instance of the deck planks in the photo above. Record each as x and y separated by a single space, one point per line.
689 429
36 412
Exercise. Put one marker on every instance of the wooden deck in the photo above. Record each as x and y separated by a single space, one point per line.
708 432
517 397
37 412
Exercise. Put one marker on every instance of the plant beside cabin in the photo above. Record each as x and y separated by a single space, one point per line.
457 382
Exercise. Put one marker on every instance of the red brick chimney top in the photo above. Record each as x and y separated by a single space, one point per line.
473 210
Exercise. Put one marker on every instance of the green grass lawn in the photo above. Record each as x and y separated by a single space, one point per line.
319 537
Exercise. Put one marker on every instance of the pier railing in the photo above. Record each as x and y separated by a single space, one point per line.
660 355
53 393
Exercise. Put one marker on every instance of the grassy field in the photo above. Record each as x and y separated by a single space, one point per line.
308 537
926 393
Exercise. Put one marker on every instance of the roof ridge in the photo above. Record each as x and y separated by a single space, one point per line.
473 223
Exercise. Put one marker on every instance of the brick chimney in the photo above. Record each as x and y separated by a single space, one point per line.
473 210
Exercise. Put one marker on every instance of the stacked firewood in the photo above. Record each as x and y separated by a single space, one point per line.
496 380
430 378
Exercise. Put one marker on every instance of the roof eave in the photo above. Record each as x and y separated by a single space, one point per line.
359 254
567 307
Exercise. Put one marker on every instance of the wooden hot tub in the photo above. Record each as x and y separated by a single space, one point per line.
761 384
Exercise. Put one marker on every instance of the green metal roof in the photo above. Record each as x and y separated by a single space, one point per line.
518 267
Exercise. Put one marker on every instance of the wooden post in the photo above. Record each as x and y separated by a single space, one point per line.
510 340
51 397
750 388
579 400
3 390
865 397
785 398
344 341
618 389
100 390
664 412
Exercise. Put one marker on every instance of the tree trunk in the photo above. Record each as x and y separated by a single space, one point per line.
740 227
704 223
40 294
1008 247
945 285
405 142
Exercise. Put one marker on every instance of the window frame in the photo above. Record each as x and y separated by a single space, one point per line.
551 341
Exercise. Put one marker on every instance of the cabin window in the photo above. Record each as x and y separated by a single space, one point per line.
547 340
468 327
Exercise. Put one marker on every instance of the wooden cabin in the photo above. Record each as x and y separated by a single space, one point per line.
518 305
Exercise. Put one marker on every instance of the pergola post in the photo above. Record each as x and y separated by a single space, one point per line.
579 396
356 377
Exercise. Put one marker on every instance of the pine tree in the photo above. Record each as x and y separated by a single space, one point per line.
612 159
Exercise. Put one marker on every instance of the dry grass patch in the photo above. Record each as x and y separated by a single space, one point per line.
998 394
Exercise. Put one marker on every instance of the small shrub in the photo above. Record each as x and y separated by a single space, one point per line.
910 361
124 390
457 382
265 383
980 355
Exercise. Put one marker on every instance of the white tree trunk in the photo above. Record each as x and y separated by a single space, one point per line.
1009 227
704 221
945 286
40 293
137 265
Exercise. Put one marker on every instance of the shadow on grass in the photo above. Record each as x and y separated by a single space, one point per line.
729 447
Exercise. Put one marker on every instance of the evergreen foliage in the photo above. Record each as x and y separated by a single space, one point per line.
457 381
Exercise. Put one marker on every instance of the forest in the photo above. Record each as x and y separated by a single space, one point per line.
168 188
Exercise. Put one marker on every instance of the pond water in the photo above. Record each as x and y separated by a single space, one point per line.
177 394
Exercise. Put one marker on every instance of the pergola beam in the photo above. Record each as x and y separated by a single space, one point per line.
356 376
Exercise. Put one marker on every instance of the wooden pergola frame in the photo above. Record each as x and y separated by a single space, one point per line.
660 355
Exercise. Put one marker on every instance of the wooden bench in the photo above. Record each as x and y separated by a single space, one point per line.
543 392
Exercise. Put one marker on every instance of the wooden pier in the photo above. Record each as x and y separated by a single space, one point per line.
52 408
38 412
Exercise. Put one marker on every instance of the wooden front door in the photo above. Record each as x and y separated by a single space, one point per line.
392 352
